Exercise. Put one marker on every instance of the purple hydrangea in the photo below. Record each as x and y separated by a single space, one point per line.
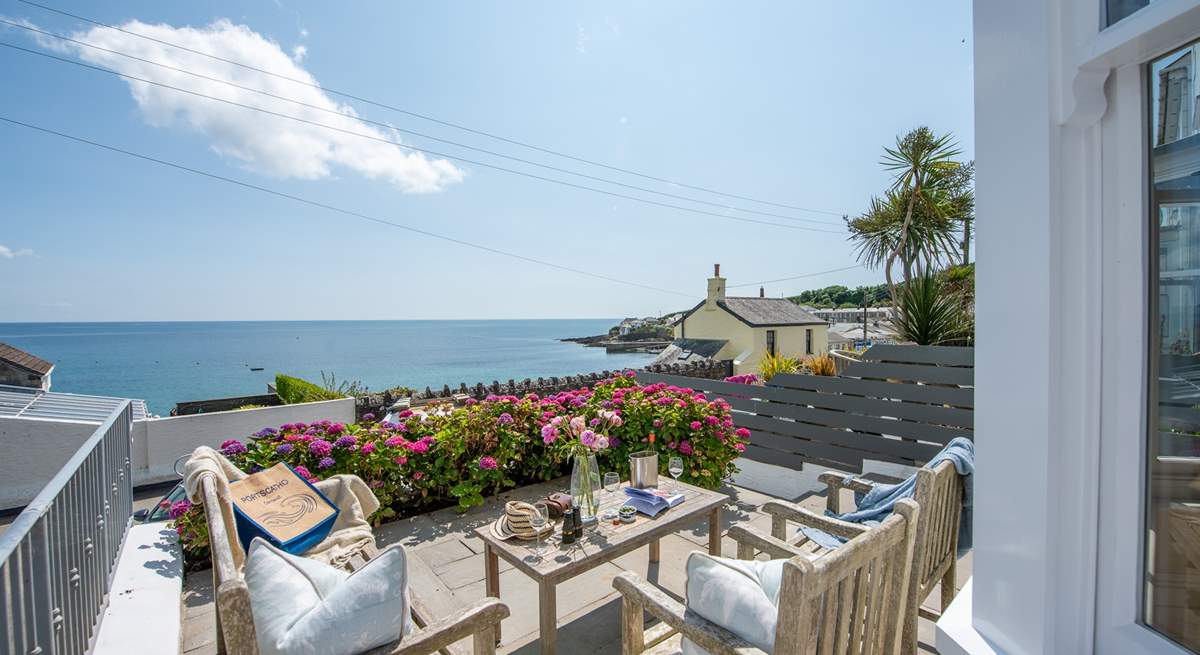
505 419
325 463
549 434
178 509
283 448
368 417
345 441
320 448
265 432
231 447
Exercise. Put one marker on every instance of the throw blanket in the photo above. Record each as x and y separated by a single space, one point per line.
351 532
876 505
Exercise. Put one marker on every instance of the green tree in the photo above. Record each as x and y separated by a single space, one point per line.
916 222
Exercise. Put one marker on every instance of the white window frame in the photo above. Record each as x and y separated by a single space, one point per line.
1124 351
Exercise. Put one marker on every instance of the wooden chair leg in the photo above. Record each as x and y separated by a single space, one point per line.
948 582
484 641
778 527
745 551
633 626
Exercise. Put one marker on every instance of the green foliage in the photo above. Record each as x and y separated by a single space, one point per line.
248 406
294 390
822 364
928 315
772 365
345 388
917 221
457 456
840 296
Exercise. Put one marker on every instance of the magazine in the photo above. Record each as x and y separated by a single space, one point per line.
651 502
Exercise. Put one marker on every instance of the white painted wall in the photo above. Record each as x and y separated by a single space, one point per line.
34 449
1060 154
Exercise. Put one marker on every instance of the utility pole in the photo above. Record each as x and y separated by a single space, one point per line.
865 292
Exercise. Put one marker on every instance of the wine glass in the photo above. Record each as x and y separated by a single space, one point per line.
675 467
541 514
612 484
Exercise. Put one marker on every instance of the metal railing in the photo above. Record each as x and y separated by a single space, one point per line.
58 556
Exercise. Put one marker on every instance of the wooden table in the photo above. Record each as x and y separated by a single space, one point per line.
599 545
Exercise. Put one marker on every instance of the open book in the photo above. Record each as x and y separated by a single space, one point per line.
651 501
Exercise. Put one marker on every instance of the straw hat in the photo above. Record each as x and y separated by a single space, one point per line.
515 522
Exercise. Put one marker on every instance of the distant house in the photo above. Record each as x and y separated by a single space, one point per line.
21 369
752 327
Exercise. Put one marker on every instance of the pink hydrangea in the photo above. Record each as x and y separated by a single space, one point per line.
685 448
742 433
487 463
302 472
231 447
420 447
695 425
320 448
368 448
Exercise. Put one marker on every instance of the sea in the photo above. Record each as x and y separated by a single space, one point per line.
167 362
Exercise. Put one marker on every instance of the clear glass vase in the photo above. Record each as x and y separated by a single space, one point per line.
585 486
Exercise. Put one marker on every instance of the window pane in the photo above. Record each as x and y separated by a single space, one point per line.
1118 9
1172 546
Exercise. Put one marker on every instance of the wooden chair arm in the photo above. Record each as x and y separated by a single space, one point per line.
480 618
751 543
709 636
781 512
838 481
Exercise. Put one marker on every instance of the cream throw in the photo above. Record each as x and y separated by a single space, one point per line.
351 531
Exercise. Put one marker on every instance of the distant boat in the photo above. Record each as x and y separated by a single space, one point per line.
256 368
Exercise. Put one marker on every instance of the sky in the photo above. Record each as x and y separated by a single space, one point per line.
787 103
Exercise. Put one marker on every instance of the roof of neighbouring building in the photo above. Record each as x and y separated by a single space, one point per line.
24 402
24 360
689 350
764 312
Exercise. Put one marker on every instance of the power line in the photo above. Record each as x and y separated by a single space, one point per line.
795 277
411 147
407 131
432 119
333 208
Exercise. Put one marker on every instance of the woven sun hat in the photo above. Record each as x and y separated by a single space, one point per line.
515 522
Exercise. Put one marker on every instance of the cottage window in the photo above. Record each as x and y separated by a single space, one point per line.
808 342
1171 546
771 342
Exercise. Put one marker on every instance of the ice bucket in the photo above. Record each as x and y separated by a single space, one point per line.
643 469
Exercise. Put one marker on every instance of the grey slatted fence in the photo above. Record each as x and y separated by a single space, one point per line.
897 404
58 556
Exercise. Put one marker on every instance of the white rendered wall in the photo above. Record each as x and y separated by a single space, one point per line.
34 449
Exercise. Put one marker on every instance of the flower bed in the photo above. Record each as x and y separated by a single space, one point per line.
460 455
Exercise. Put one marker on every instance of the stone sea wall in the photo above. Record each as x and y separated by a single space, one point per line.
379 403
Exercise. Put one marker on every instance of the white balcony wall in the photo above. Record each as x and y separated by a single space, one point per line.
36 449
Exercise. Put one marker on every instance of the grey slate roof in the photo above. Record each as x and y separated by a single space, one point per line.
22 359
768 311
689 350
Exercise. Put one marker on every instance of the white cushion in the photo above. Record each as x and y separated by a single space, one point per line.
302 606
738 595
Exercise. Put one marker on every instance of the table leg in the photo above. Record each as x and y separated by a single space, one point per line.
714 532
654 551
491 565
548 617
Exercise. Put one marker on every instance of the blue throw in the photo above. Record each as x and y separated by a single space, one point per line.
876 505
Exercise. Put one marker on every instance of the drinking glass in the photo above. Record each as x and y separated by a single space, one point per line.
675 466
612 482
541 514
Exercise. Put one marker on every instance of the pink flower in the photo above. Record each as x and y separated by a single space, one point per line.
695 425
395 441
578 425
587 438
658 423
742 433
419 447
740 447
368 448
487 463
302 472
320 448
711 420
549 434
418 475
685 448
401 460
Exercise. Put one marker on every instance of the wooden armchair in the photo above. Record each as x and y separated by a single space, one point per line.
939 494
851 600
235 623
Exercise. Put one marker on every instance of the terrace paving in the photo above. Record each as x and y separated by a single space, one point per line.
449 559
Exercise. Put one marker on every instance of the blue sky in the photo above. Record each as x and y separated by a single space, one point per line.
788 102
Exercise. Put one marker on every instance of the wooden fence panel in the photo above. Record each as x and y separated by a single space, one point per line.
899 404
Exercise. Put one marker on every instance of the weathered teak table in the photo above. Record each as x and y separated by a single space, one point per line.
600 544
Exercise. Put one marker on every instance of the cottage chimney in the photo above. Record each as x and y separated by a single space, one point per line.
762 292
716 288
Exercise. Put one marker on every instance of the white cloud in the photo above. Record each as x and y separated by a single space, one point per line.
304 32
265 144
9 253
582 37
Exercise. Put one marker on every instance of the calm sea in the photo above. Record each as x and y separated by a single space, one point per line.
165 363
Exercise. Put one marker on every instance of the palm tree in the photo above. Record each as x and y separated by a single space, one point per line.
915 221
